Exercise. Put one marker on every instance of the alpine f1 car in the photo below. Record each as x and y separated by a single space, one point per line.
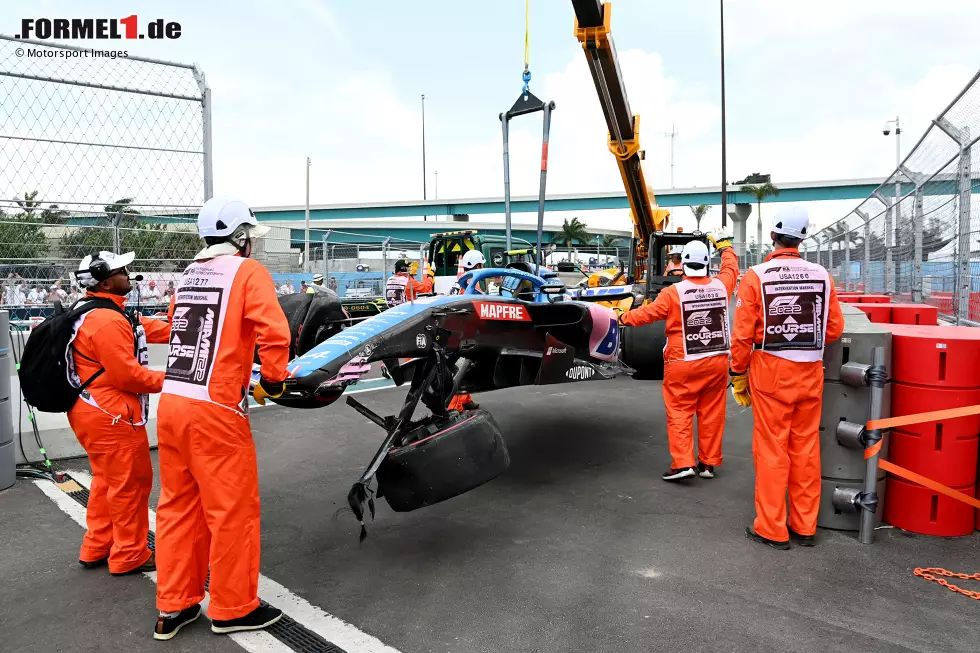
529 333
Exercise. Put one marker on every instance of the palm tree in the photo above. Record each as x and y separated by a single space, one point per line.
699 212
570 232
610 241
120 206
760 192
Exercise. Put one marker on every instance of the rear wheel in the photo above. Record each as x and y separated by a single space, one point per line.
643 350
445 459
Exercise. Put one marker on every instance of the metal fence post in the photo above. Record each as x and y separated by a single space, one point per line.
847 260
889 240
917 260
326 265
964 280
866 264
206 135
116 236
384 257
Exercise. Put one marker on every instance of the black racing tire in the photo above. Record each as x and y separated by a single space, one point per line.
643 350
451 458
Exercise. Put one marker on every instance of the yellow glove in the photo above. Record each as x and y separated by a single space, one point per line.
740 388
268 389
429 272
720 240
619 314
413 269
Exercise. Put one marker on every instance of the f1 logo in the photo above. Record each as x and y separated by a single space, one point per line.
785 305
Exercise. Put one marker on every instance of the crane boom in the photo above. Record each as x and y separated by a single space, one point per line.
592 28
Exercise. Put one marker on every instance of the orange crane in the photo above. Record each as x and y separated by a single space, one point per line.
593 19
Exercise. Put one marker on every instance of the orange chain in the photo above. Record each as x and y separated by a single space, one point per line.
928 572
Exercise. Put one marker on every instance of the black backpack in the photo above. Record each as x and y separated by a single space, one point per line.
44 363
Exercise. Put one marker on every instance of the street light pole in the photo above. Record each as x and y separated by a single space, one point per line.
724 169
424 218
892 225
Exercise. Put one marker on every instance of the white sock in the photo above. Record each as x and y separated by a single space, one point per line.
169 615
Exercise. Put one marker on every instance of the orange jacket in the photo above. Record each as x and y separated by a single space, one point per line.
254 317
105 339
667 306
748 314
414 287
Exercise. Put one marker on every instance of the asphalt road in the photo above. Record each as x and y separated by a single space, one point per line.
578 546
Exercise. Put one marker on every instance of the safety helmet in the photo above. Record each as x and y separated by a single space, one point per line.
676 249
695 253
317 277
221 217
793 221
98 267
473 258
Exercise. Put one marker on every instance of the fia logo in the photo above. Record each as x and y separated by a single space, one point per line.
420 341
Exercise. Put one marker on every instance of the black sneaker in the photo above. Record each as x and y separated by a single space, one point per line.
706 471
755 537
94 564
259 618
167 627
471 405
803 540
679 474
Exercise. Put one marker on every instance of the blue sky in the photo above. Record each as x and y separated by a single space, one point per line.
809 87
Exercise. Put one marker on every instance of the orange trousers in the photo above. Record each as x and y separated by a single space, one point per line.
208 515
786 401
695 388
122 476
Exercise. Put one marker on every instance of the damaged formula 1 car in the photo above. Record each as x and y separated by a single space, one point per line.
529 333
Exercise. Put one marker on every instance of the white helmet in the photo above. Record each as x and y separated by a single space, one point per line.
473 258
793 221
89 276
695 252
317 277
220 217
676 249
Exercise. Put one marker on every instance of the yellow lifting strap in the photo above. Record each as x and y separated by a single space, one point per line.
527 33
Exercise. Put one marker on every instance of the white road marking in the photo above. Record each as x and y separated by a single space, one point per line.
331 628
253 642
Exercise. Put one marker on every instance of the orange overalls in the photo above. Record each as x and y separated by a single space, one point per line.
786 382
109 420
696 385
208 515
402 287
672 266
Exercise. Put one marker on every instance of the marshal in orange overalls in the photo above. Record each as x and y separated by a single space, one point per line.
782 347
109 420
208 517
692 387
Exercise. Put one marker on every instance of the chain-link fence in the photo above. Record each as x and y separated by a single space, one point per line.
916 236
97 153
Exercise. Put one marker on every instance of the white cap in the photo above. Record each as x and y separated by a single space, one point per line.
116 262
695 252
221 216
791 221
473 258
676 249
317 277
